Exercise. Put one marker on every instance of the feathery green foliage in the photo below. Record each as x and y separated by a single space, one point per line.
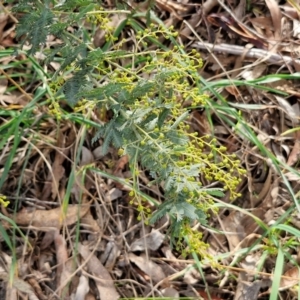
151 97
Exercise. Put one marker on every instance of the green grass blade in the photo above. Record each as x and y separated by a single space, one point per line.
277 275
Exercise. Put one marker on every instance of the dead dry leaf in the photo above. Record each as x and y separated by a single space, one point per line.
82 289
186 30
81 179
89 296
47 239
149 267
191 276
276 17
292 176
291 113
11 293
52 183
98 152
170 292
3 86
90 223
296 26
233 90
172 7
87 156
295 153
293 274
64 267
57 169
151 241
122 162
207 296
44 220
232 25
3 22
104 282
247 290
37 288
113 194
25 288
254 73
110 255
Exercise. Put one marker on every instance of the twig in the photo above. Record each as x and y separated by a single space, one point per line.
251 53
8 12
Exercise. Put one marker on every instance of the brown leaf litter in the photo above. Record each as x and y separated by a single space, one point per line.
45 220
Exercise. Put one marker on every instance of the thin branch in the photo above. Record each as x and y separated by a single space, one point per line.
251 53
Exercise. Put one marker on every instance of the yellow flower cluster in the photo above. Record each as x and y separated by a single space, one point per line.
3 201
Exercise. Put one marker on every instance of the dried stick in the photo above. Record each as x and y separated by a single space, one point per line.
251 53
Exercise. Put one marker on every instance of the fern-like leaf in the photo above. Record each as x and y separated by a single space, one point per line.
162 117
35 26
176 138
183 209
217 192
170 183
107 136
70 54
111 135
106 91
74 85
142 88
58 29
69 5
163 209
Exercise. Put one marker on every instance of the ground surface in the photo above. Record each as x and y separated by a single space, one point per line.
240 42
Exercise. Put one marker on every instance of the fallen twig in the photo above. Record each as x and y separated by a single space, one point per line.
251 53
